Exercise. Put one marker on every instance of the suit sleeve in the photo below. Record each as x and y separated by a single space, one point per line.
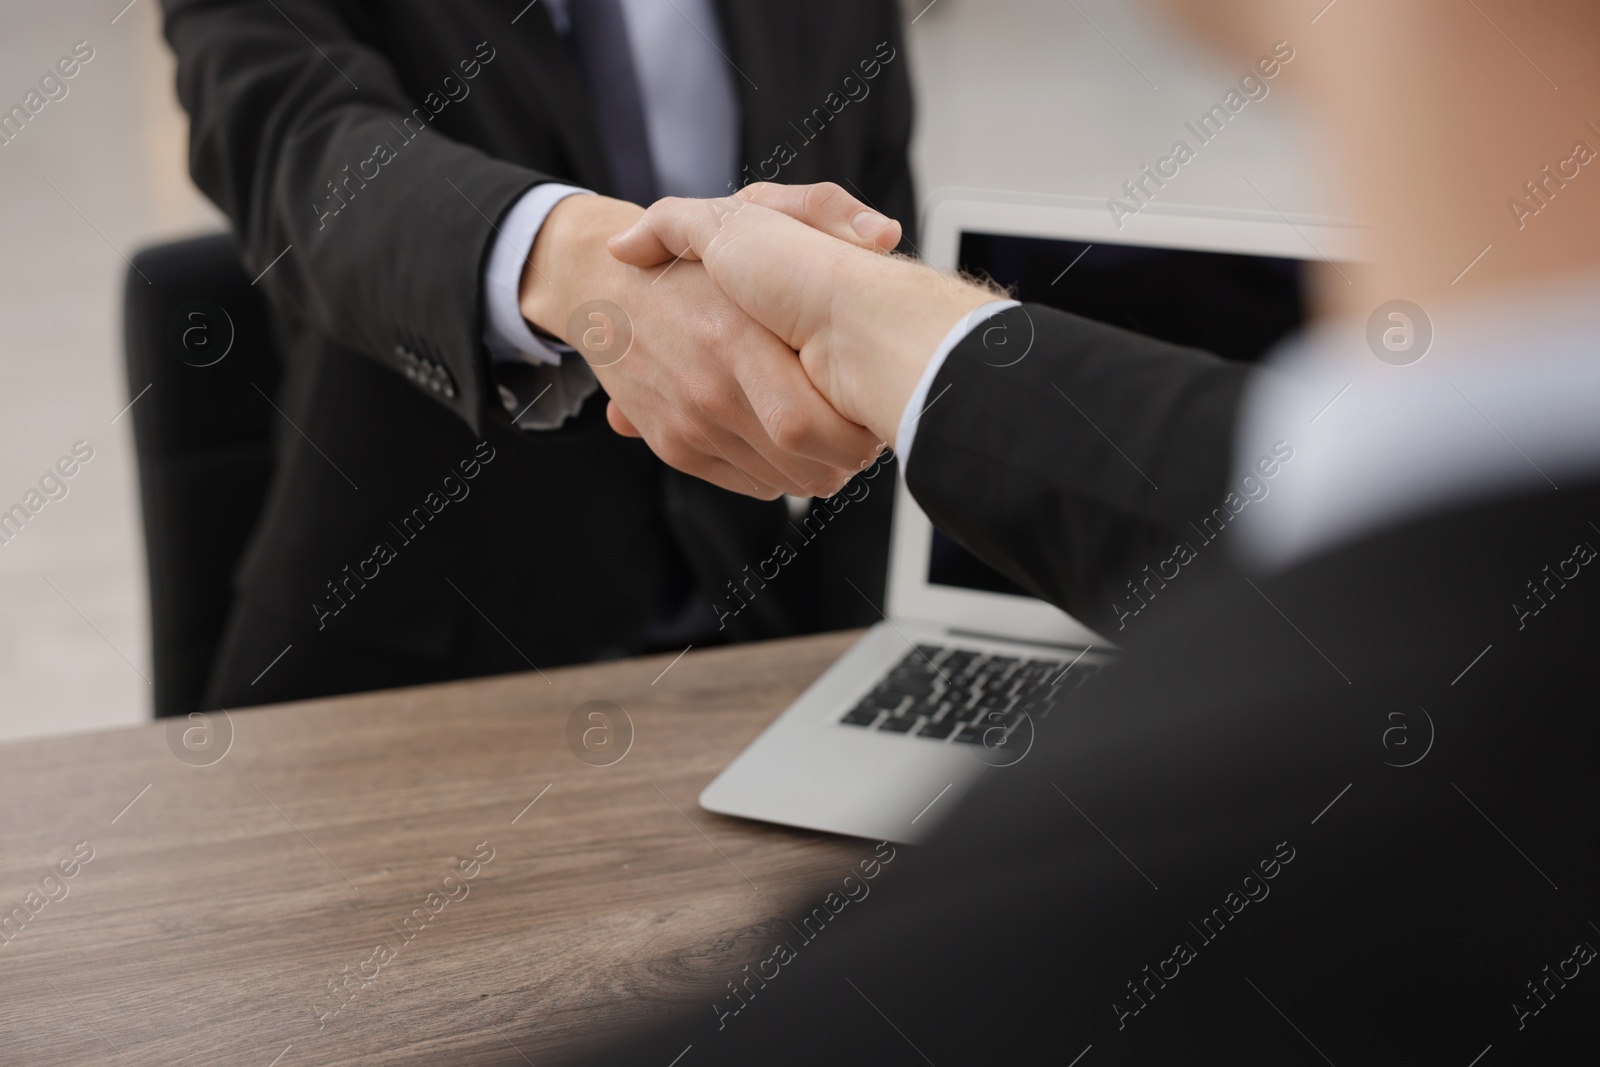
360 219
1071 467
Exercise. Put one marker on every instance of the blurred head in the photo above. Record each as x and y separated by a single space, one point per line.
1435 114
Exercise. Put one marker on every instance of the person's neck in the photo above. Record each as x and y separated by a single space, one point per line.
1442 126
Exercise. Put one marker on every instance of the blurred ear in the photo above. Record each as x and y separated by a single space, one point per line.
1232 27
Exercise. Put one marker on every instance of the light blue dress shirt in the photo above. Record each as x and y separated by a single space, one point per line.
691 110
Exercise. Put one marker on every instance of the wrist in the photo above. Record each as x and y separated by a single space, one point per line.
898 320
569 259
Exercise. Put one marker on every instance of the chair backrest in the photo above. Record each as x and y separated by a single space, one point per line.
198 348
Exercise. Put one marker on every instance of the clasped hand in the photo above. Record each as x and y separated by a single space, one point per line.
773 343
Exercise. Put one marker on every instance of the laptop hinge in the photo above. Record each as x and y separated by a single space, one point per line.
1008 639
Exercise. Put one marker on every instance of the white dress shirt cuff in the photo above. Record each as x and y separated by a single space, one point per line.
506 332
919 396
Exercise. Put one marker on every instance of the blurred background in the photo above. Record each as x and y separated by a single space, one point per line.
1040 96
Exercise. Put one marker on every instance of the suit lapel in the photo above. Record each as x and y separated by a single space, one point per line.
751 34
556 78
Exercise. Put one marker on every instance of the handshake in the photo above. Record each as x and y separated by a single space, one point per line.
766 343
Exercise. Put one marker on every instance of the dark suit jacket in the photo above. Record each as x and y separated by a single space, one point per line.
373 147
1113 448
1340 815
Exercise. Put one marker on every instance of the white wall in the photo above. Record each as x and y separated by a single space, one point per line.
114 148
1074 96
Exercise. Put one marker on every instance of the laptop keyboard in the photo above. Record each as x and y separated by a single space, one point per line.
960 695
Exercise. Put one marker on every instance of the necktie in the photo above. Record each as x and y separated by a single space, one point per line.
599 39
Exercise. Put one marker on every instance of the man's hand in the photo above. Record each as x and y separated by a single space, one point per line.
865 325
711 391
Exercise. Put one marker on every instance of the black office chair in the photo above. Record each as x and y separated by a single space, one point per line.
198 348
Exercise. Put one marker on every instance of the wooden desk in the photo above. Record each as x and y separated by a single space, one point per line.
223 901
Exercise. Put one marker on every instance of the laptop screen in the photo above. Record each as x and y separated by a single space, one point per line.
1236 306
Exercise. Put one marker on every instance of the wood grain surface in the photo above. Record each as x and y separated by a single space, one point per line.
251 909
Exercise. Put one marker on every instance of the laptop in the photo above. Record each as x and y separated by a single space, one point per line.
966 668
